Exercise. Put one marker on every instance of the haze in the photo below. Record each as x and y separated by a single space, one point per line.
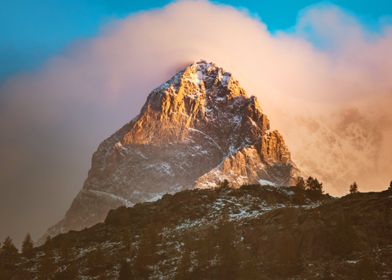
325 85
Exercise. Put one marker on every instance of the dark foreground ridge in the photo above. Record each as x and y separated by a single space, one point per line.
253 232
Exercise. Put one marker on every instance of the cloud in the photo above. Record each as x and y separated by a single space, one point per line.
326 85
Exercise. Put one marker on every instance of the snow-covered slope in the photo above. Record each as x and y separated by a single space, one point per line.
194 131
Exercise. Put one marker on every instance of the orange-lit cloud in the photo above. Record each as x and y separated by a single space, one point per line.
330 100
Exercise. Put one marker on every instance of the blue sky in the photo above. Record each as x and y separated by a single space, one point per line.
31 33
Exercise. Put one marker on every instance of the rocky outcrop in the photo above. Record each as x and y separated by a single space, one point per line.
195 130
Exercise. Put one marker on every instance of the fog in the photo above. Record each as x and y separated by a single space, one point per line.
325 85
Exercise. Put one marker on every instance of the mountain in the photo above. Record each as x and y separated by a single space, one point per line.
194 131
252 232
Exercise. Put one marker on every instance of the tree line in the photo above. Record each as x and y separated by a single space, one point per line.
144 257
313 185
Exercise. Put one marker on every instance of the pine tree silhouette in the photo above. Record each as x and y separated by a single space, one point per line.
27 246
8 254
354 188
314 186
300 183
47 265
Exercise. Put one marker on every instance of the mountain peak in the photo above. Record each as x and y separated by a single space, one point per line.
194 131
203 71
201 76
202 96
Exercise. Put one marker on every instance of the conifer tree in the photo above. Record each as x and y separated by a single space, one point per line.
300 183
225 184
8 254
8 246
27 246
48 243
354 188
47 265
314 186
65 249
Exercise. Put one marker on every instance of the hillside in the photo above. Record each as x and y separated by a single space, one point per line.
254 232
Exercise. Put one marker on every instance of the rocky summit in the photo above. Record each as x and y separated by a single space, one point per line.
194 131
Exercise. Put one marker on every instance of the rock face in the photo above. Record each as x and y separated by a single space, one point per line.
194 131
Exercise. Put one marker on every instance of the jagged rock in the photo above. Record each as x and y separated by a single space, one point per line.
195 130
